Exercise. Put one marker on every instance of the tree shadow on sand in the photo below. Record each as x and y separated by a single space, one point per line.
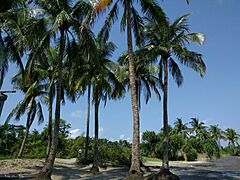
193 173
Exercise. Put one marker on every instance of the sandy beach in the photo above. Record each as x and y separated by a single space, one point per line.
224 168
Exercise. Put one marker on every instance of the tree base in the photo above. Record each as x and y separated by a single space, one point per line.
134 175
94 170
163 174
42 176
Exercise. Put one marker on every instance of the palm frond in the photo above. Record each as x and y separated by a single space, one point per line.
40 113
138 26
110 19
191 59
154 12
196 37
176 72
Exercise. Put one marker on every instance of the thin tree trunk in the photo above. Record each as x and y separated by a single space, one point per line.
25 138
165 162
135 163
87 124
48 166
50 129
234 148
95 168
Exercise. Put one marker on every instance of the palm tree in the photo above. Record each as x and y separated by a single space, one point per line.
131 21
170 41
198 127
181 127
31 104
216 134
61 15
46 68
232 137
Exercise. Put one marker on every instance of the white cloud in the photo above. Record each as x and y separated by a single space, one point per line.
74 133
101 129
78 114
129 140
122 136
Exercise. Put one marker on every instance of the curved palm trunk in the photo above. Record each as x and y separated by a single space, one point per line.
95 168
233 146
88 122
25 138
50 129
48 166
135 163
165 162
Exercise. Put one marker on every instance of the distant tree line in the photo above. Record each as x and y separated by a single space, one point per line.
185 143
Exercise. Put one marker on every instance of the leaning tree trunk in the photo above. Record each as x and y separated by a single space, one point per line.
165 162
234 147
88 121
50 129
48 166
25 138
135 162
95 168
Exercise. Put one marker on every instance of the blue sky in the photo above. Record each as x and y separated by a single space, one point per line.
214 99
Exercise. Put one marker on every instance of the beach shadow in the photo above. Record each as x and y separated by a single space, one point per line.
110 173
192 173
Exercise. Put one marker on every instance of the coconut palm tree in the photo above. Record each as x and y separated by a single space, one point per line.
198 127
31 104
46 69
216 134
232 137
61 15
169 41
131 22
181 127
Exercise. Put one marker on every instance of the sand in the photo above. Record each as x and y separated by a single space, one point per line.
225 168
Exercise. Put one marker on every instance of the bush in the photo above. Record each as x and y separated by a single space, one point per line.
191 154
176 142
211 148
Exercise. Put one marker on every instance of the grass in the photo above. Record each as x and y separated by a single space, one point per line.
147 159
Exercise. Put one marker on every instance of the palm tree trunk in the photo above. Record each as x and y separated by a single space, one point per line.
48 166
50 129
135 163
88 122
25 138
165 162
234 147
95 168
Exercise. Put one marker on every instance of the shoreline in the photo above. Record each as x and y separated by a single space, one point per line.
223 168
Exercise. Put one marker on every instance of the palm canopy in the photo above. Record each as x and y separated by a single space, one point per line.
181 127
198 127
216 132
31 103
232 136
171 41
13 15
147 6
